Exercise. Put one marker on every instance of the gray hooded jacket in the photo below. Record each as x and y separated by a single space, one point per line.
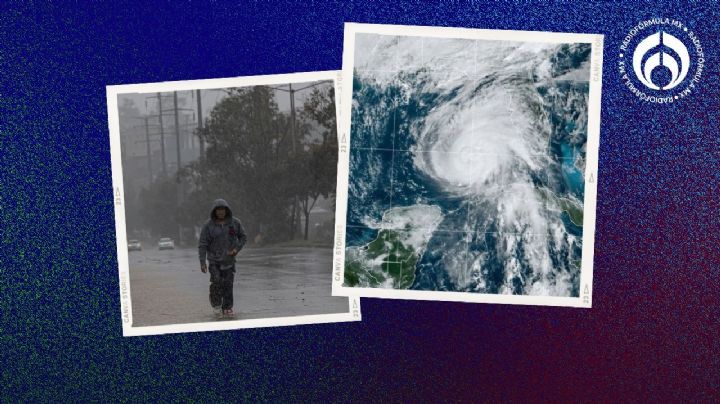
218 240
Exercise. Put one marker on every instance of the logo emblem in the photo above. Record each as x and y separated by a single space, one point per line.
678 68
667 60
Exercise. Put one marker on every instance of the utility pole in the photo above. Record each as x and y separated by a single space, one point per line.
162 134
200 124
295 208
177 129
177 171
292 116
148 152
149 157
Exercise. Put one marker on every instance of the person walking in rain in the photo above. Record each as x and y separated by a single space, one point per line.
221 239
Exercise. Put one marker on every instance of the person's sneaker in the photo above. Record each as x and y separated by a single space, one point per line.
229 313
218 312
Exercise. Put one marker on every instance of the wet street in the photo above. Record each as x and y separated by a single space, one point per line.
167 286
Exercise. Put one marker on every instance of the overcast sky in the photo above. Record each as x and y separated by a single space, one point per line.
211 97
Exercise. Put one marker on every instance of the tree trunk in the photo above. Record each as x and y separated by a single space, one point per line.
307 221
293 225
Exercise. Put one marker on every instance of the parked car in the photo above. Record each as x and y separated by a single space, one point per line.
166 243
134 245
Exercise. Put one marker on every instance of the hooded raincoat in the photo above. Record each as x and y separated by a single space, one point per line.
217 240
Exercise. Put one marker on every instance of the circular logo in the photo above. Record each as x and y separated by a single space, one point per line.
661 60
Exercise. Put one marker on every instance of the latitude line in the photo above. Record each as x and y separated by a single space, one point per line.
454 152
435 231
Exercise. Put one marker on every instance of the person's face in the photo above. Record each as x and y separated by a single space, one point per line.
220 213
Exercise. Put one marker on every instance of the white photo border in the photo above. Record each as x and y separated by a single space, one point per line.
584 300
353 313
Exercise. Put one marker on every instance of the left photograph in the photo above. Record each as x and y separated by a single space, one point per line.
224 194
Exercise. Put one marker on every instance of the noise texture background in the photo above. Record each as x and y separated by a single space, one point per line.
653 329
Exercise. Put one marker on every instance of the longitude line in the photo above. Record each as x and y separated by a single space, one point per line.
472 129
394 133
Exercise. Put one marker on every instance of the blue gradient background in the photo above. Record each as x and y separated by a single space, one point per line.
653 329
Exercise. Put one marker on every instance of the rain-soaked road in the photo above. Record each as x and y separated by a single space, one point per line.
167 286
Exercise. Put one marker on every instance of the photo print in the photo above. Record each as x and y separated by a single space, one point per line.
469 163
224 200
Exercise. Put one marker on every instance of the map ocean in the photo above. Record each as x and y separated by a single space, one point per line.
489 134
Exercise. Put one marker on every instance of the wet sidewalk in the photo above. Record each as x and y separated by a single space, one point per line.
167 287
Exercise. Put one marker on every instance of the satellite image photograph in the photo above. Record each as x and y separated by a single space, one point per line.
467 165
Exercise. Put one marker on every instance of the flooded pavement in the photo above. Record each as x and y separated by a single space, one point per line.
167 287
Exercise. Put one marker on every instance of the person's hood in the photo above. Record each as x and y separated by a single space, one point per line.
217 204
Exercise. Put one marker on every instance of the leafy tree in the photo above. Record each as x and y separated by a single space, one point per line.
320 108
318 177
253 161
247 160
318 162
